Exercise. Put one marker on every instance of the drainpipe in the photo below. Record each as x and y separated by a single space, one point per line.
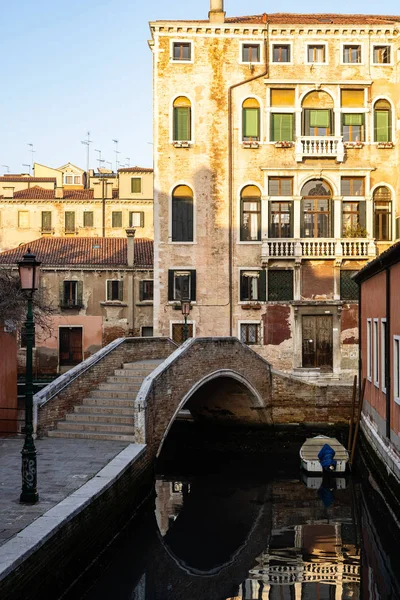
230 168
387 354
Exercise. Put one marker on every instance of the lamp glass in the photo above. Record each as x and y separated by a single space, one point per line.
185 307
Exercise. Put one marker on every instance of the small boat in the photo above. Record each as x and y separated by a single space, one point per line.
311 448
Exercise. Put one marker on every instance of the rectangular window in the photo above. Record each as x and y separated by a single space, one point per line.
280 219
116 219
382 126
136 185
23 219
280 186
369 349
281 53
182 123
352 98
353 127
136 219
382 220
88 218
280 285
352 186
71 294
282 127
282 97
251 124
68 179
181 285
250 225
251 53
182 51
46 221
396 368
147 332
252 286
376 352
146 290
69 221
317 122
317 220
383 355
115 290
352 53
250 333
316 53
353 220
382 55
348 287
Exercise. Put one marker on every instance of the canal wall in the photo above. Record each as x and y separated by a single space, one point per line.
45 558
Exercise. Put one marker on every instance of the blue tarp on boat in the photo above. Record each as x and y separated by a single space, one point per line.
326 458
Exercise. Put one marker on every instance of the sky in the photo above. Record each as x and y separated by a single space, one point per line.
84 65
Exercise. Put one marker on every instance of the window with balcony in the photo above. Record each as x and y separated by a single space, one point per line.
46 221
116 218
280 285
182 51
280 220
182 214
382 214
316 210
382 121
382 55
252 286
251 120
353 220
281 53
250 214
182 117
352 53
181 285
251 53
71 294
318 122
316 53
353 127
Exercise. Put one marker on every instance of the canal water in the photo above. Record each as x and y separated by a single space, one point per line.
234 518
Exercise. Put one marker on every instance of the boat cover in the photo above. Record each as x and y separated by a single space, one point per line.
326 457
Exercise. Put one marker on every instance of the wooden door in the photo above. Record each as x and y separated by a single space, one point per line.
177 332
70 345
317 347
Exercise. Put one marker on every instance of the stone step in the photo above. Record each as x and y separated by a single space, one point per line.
140 373
119 386
99 427
99 418
135 380
110 394
146 364
98 409
91 436
111 402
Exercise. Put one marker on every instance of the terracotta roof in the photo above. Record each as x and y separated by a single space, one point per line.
18 178
302 19
62 251
38 193
135 170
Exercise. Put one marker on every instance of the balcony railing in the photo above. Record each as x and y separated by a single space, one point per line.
319 147
318 248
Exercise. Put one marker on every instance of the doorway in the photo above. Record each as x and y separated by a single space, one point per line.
70 346
317 343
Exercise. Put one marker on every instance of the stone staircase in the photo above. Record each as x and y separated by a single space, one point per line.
108 413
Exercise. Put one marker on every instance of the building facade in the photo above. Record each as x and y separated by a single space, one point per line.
275 179
68 202
99 289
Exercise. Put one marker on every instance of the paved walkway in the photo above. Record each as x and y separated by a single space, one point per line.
64 465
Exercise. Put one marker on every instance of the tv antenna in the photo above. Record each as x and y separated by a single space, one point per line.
29 167
6 167
116 155
32 151
87 143
99 159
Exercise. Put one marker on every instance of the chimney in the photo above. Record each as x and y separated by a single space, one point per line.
216 14
130 234
59 193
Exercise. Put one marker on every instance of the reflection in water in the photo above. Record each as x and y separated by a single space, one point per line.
230 530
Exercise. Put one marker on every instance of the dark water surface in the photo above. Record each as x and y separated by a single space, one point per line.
235 519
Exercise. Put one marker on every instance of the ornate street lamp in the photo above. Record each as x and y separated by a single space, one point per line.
185 306
29 273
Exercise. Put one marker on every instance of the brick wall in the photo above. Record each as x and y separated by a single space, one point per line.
130 350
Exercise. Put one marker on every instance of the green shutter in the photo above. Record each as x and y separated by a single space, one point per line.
109 290
251 123
46 220
282 127
352 119
382 133
79 293
182 123
171 285
120 290
193 285
263 285
319 118
136 185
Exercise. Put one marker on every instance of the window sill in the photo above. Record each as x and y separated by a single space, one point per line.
384 145
145 303
284 144
355 145
71 306
176 304
182 144
113 303
250 145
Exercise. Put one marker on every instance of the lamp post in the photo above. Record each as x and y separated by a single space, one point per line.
185 306
29 278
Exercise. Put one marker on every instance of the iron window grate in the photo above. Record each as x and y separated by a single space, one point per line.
348 287
280 285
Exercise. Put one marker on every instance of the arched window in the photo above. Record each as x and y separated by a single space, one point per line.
251 120
382 121
382 213
182 129
182 214
250 214
317 210
318 114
